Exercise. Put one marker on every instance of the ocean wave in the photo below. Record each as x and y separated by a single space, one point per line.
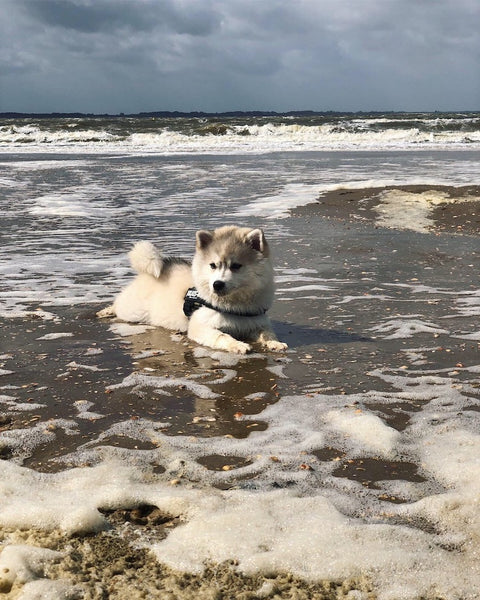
240 135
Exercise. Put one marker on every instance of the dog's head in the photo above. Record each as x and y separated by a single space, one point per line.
232 265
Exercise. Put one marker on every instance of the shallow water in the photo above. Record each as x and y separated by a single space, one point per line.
365 431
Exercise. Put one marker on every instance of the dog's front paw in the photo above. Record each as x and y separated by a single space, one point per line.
275 345
239 347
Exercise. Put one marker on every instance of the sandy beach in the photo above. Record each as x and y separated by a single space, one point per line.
136 464
64 372
455 211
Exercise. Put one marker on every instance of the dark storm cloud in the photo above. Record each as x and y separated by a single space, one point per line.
109 16
87 18
133 55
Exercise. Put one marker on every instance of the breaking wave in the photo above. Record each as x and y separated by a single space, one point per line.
397 131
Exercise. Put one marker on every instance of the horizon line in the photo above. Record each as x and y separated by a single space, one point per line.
232 113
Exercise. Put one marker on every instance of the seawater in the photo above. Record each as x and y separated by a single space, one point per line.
68 217
242 134
356 452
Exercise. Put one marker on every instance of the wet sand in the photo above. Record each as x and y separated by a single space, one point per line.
108 565
461 216
331 350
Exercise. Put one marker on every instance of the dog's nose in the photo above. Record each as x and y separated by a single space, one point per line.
218 285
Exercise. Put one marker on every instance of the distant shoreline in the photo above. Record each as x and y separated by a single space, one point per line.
229 114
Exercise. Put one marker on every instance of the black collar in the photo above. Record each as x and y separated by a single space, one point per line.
193 301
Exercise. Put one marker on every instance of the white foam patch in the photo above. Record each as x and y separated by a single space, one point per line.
137 429
22 564
300 274
83 492
364 297
24 441
68 205
294 431
126 329
46 589
319 525
228 375
468 304
55 336
407 326
293 278
77 366
14 313
454 458
303 288
14 405
310 538
418 288
369 431
278 206
418 356
274 531
93 351
148 354
281 454
139 380
474 337
408 210
83 407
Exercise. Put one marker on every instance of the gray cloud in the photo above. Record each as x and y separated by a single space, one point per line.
134 55
102 16
89 18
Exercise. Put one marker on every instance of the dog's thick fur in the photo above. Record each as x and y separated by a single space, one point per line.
231 270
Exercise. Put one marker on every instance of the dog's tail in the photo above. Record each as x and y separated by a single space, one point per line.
145 258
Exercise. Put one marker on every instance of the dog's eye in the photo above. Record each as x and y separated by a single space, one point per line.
213 266
235 266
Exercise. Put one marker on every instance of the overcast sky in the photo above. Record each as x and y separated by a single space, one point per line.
219 55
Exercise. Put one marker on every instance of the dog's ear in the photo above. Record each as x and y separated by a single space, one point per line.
204 239
256 239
